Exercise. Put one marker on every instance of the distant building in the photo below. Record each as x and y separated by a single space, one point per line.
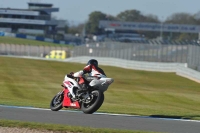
115 30
36 20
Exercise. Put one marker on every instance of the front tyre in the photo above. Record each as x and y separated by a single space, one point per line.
97 98
56 102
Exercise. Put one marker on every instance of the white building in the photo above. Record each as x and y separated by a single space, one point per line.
34 20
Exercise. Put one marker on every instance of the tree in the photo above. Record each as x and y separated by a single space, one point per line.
92 25
150 19
131 15
137 16
186 36
182 18
76 29
197 18
66 28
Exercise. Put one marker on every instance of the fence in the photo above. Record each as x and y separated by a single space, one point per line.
193 58
177 53
29 50
179 68
180 53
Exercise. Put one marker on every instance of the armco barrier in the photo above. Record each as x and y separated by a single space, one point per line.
180 69
137 65
188 73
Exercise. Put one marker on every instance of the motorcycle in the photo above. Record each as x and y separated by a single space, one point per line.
88 101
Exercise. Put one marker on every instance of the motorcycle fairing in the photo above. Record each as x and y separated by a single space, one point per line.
67 102
101 84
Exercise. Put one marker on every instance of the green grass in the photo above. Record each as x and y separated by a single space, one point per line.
12 40
62 128
27 82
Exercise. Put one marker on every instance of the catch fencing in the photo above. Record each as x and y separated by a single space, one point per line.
30 50
150 52
177 53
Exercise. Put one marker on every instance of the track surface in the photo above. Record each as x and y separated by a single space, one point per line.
98 120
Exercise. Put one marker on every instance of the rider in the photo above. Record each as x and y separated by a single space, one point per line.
93 71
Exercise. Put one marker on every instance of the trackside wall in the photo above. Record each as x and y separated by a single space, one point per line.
180 69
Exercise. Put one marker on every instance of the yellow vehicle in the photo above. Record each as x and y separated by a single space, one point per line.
57 54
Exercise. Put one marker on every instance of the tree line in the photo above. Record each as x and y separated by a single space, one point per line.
91 26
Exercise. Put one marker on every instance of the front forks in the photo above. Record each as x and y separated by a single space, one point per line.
58 98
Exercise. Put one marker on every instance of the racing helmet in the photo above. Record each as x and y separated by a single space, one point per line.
93 62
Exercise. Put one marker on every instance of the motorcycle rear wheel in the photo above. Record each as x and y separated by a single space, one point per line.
56 102
95 104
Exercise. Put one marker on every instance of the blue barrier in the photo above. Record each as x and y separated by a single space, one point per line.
56 41
39 38
67 42
20 35
2 34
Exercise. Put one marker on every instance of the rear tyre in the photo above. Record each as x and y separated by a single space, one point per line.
94 104
56 102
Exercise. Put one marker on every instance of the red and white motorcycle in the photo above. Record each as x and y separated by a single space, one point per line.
89 101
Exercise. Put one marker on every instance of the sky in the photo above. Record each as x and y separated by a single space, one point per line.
77 11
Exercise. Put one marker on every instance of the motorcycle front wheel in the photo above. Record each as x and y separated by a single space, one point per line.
97 98
56 102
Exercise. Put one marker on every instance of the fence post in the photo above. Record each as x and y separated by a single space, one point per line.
196 55
181 53
198 58
28 49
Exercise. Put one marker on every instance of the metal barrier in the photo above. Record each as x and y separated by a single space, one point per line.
177 53
180 69
180 53
30 50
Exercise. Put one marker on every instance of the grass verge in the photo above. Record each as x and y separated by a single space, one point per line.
12 40
62 128
27 82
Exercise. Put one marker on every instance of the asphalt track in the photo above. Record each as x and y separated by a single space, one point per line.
99 120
